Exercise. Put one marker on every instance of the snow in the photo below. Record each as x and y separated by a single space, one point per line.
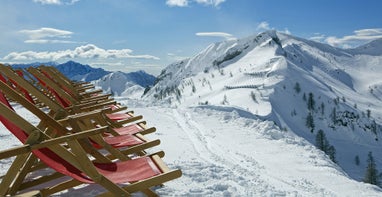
224 152
231 119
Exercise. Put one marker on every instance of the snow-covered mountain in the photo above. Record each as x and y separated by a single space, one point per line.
71 69
80 72
34 64
130 84
301 85
119 83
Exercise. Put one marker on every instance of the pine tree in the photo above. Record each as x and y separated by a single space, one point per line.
321 141
368 112
193 88
253 95
371 175
311 102
332 153
297 87
333 115
310 122
357 161
225 101
323 144
322 109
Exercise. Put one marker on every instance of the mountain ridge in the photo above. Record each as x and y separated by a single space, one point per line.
133 83
274 76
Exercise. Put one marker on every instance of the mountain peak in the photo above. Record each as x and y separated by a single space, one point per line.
372 48
274 76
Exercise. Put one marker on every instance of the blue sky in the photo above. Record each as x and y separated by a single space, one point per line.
130 35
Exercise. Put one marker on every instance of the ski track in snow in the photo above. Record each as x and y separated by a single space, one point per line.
197 134
230 155
222 153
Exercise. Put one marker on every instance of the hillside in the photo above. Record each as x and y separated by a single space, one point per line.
80 72
301 85
130 85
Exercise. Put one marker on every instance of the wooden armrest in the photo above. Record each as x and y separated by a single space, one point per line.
26 148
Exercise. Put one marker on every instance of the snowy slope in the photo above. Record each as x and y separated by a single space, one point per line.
372 48
130 85
226 152
259 75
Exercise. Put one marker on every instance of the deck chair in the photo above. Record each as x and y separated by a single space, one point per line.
78 94
66 100
131 143
64 97
75 84
67 84
140 173
64 83
117 119
29 89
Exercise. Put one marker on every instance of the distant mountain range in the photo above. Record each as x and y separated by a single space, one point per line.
301 85
105 79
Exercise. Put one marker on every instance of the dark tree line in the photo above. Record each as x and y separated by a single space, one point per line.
372 175
323 144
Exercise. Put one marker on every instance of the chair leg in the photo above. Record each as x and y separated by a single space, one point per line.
22 174
60 187
13 172
149 193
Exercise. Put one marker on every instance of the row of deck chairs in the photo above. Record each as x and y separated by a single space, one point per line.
82 134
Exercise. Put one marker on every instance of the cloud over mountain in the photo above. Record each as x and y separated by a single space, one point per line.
56 2
356 39
184 3
89 51
46 35
362 35
227 36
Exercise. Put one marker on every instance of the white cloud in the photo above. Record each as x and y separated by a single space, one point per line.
41 41
56 2
286 31
52 2
359 37
179 3
227 36
263 26
184 3
88 51
210 2
318 37
174 57
46 35
46 32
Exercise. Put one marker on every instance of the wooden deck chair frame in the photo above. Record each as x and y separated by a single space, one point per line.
120 128
77 158
62 80
10 73
76 84
140 142
67 100
52 85
78 92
